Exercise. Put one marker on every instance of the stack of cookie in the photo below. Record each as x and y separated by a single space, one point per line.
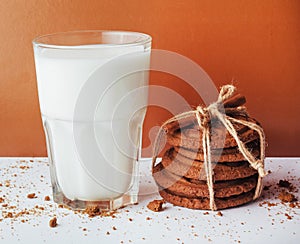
181 175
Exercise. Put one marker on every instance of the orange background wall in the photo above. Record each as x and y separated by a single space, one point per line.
256 43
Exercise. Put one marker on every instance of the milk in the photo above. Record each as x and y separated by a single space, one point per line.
93 149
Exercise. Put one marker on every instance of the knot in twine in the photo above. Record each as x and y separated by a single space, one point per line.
216 110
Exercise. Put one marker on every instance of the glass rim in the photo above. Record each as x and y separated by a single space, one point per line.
142 40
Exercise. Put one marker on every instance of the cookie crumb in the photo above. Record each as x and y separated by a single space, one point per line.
288 216
1 200
130 219
7 183
53 222
270 204
95 210
292 205
284 183
9 215
107 233
92 211
47 198
285 196
114 228
156 205
206 213
31 195
219 214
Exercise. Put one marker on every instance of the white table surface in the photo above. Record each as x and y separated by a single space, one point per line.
250 223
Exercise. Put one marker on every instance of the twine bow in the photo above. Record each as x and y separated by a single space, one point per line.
216 110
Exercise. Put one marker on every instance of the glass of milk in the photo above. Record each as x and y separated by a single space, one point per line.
93 92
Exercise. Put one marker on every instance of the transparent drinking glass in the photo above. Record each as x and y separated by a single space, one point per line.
93 92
